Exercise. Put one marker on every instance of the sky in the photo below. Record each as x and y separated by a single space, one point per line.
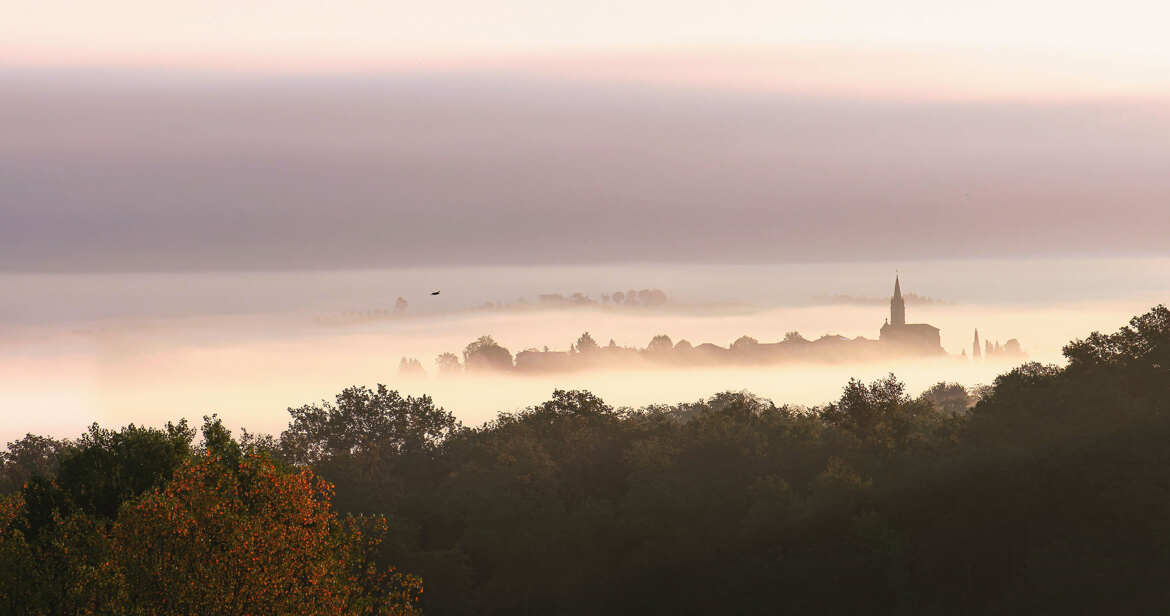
185 185
901 48
217 135
294 33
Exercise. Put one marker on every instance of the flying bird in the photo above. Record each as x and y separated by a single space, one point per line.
434 292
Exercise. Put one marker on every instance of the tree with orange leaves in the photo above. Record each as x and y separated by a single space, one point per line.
250 540
228 533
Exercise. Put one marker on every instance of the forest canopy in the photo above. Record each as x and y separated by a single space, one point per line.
1044 492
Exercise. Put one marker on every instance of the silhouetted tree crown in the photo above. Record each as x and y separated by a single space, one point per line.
1141 348
365 422
486 354
744 343
586 344
448 363
409 366
660 344
949 398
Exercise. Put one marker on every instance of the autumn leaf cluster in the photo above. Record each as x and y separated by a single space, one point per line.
225 532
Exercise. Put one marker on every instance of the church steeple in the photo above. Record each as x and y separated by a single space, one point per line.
897 305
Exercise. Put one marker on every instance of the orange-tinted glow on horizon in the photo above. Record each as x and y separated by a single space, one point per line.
818 71
903 48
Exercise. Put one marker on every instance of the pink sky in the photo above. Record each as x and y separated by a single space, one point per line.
901 48
236 134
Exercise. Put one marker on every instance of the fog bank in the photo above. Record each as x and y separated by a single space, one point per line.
152 348
116 172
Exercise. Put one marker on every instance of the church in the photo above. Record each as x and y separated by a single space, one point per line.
908 338
898 339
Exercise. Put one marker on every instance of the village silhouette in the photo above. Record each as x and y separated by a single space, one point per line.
896 339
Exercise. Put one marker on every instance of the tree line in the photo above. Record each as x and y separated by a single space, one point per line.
486 355
1046 492
142 521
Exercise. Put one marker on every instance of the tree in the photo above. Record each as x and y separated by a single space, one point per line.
409 366
400 306
880 415
486 354
1141 347
948 398
365 421
104 468
744 344
660 344
794 336
26 458
248 540
448 363
586 344
574 403
59 537
227 531
651 297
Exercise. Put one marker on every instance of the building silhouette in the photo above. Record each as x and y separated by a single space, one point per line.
897 339
902 337
897 305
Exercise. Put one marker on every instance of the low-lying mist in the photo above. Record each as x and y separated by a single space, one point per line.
57 377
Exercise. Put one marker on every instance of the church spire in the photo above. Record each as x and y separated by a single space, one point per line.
897 305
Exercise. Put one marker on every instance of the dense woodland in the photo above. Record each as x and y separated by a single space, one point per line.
1045 492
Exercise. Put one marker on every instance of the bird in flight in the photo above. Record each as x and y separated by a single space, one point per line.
434 292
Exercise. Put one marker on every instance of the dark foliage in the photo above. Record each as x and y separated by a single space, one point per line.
140 521
1052 494
1046 492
